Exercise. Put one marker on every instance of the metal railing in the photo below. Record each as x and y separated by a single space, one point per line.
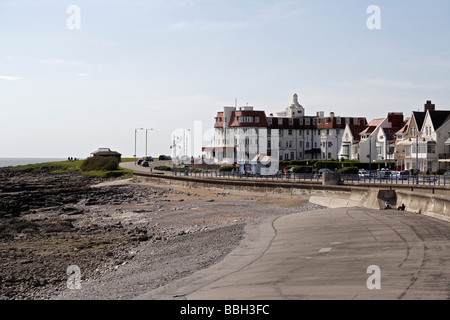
430 180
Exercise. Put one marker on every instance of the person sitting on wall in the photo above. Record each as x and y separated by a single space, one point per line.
402 207
386 205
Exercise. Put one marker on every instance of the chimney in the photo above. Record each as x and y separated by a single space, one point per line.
332 114
429 106
395 118
361 122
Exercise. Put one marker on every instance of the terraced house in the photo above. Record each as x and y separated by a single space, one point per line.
425 145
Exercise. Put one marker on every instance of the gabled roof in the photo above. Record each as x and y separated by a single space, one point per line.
404 128
105 152
372 126
438 118
420 117
356 130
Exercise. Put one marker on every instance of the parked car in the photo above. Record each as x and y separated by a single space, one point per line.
325 170
139 162
150 159
446 174
400 175
383 174
363 173
164 157
145 164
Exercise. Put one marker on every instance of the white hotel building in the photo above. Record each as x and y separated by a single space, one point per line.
257 142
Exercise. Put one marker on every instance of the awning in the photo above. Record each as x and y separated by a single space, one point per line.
219 149
263 159
447 143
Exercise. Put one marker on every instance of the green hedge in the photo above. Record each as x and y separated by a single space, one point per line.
100 164
226 168
163 168
349 170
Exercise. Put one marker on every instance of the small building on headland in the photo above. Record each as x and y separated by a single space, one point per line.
106 152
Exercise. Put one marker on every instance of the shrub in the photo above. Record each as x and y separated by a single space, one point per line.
226 168
163 168
349 170
100 164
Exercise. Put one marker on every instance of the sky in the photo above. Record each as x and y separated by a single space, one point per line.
83 74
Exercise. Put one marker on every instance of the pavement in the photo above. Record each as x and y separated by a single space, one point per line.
350 253
343 253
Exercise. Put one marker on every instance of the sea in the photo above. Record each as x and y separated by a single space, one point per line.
7 162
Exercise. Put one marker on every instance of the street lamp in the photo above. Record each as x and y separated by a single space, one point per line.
184 140
135 131
417 157
146 130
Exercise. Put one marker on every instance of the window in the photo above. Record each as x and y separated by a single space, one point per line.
269 120
338 120
327 120
431 148
328 132
301 123
345 150
280 121
291 122
347 120
307 122
307 144
292 155
290 132
314 122
257 119
290 144
355 121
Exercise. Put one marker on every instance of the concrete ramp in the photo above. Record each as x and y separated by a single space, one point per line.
386 195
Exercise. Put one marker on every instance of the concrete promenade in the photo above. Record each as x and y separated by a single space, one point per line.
348 252
328 254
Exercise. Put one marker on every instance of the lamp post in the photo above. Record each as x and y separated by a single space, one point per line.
146 130
135 131
417 157
184 141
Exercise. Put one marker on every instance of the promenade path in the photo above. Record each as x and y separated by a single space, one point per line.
343 253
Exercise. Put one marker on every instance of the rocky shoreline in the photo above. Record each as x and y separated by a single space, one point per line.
126 236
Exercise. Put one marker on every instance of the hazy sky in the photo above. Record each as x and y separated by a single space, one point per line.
82 74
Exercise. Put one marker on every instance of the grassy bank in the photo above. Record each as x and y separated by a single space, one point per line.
75 166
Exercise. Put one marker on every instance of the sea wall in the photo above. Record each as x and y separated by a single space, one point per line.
422 200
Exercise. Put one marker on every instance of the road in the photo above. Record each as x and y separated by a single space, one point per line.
345 253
